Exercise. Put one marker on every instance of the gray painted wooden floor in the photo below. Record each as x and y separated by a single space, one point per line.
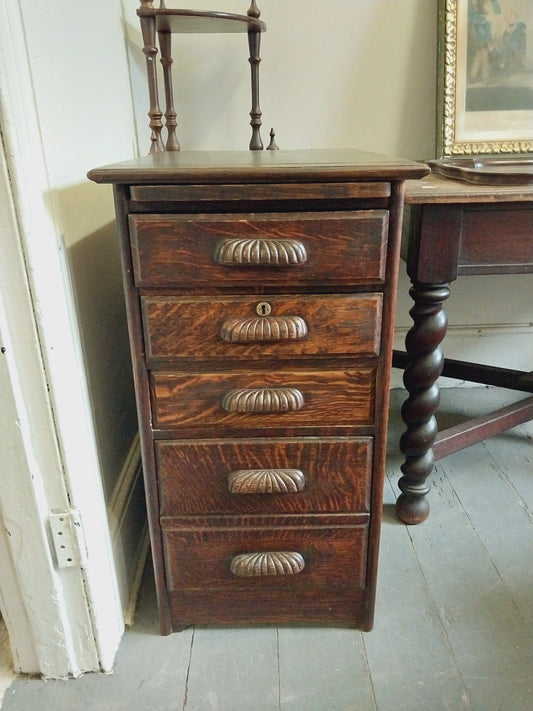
454 618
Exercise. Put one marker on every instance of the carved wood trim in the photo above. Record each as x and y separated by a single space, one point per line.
260 251
251 565
266 481
263 328
263 400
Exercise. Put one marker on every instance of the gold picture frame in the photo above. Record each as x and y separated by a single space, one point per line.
485 77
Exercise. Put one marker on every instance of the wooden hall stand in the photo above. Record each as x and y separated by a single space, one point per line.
454 228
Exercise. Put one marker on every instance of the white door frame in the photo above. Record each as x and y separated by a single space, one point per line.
61 621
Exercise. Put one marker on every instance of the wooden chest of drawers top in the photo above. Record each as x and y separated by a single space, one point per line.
292 174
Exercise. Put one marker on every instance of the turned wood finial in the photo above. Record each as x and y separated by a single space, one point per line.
254 11
147 4
272 146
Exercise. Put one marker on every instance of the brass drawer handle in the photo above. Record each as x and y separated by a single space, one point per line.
254 565
260 252
266 481
263 400
263 328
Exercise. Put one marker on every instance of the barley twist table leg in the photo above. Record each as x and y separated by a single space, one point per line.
418 411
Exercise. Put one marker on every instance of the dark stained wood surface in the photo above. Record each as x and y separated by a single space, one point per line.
335 559
330 397
197 21
347 247
454 228
180 327
322 251
242 195
497 239
208 167
193 476
453 439
273 606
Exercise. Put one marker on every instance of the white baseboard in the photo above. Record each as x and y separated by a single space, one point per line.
129 612
128 529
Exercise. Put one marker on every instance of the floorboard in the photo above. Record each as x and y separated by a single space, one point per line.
233 664
324 668
454 612
411 660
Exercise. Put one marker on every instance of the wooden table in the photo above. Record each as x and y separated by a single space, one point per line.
454 228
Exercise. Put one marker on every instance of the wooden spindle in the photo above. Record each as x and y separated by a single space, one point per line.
254 43
165 40
150 52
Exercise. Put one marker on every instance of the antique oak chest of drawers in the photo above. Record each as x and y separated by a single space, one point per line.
260 290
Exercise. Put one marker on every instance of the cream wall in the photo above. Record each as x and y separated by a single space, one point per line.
342 73
83 102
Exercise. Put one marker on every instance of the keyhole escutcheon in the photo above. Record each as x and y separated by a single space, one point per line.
263 308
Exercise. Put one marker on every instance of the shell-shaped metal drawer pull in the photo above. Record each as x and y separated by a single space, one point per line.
263 400
260 251
266 481
254 565
263 328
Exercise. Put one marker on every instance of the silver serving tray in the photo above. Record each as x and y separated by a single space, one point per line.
487 170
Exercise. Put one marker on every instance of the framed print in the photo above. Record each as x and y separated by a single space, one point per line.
485 77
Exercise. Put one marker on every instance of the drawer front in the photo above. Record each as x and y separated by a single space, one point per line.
269 249
259 559
248 477
252 328
264 399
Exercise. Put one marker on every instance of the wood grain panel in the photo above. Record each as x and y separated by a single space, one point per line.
241 194
198 606
179 250
193 476
507 239
330 397
200 559
180 327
